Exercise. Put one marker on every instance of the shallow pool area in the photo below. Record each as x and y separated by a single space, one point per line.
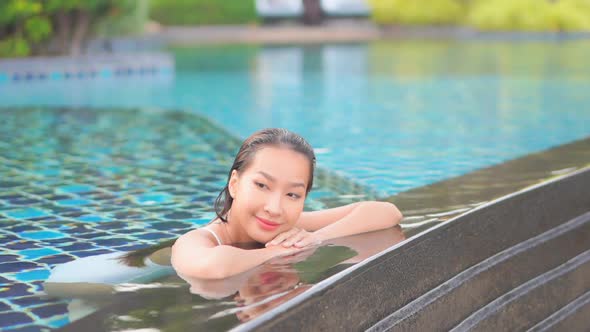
116 164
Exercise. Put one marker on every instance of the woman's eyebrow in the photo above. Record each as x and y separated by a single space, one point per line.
271 178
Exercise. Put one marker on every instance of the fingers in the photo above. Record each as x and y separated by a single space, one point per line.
283 236
295 238
307 241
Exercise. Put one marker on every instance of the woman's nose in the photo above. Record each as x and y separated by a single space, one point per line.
273 205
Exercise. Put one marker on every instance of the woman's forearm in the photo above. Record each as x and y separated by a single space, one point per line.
366 217
228 261
222 261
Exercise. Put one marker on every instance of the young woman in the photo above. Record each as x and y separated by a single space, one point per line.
260 211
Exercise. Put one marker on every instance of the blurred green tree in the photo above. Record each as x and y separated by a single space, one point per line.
199 12
63 26
414 12
508 15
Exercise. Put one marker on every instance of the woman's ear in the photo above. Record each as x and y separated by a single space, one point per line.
233 183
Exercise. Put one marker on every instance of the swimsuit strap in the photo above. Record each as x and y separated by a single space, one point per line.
212 232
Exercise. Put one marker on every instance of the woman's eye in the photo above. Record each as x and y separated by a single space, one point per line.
260 185
294 196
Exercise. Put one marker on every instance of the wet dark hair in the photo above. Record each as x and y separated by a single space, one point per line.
277 137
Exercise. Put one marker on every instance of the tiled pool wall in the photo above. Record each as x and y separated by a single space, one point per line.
86 67
82 182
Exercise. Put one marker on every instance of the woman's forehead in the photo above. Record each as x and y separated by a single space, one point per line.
281 164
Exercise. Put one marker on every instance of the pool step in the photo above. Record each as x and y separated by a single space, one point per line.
572 317
534 300
449 303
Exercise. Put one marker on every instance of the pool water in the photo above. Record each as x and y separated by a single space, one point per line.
427 110
113 165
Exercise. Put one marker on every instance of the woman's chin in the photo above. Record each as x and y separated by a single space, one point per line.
264 239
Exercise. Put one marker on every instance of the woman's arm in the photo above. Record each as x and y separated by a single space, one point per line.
314 220
193 255
365 217
338 222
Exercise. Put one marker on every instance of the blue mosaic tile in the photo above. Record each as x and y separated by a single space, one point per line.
179 215
77 246
35 253
91 252
154 236
111 242
73 202
6 238
50 310
49 172
133 215
5 258
4 307
4 281
114 225
11 196
35 300
76 188
25 201
41 235
73 214
22 245
78 230
199 222
55 259
170 225
90 235
9 184
57 197
14 318
92 218
60 242
42 218
26 213
132 231
17 266
15 290
22 228
32 275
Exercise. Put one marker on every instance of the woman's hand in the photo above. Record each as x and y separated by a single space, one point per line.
295 237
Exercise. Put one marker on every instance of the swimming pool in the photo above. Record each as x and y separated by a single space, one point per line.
113 165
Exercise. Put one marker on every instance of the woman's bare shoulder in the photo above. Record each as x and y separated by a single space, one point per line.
194 239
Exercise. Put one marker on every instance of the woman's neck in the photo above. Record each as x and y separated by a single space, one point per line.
233 234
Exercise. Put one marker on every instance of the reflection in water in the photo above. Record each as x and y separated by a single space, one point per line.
427 206
167 301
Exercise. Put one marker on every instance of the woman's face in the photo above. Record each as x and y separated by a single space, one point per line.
269 194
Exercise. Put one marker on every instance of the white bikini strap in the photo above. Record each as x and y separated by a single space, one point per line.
212 232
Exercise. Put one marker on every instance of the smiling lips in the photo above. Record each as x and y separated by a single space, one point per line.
267 224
